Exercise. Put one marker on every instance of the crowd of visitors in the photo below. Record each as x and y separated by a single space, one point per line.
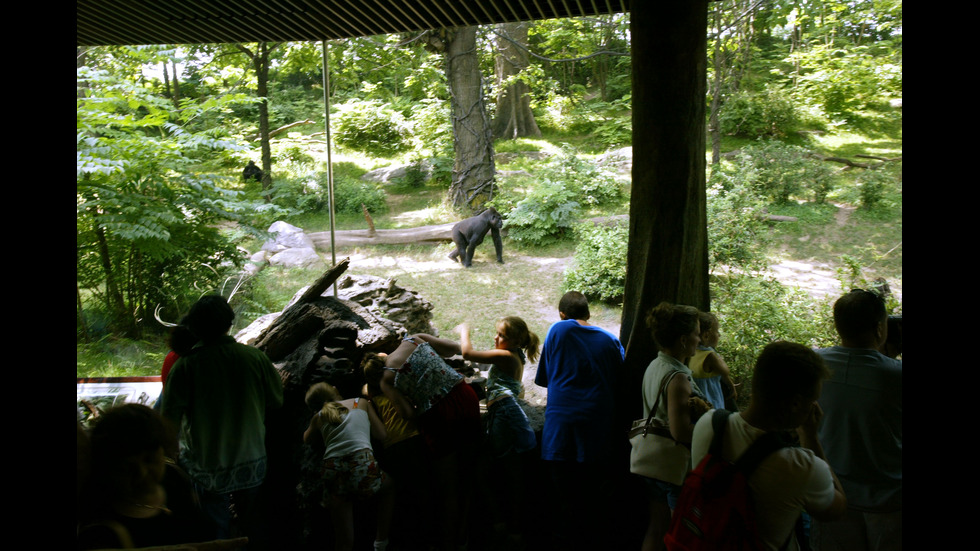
414 456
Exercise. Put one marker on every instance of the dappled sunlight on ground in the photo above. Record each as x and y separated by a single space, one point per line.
415 218
404 263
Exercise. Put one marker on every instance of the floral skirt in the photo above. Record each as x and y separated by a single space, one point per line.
353 476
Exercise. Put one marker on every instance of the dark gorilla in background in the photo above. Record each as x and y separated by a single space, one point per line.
252 172
469 233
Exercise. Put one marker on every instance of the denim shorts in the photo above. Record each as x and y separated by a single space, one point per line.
658 490
508 430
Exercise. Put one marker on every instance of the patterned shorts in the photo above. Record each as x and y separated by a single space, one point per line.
352 476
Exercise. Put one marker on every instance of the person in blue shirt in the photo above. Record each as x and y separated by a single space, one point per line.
579 366
862 428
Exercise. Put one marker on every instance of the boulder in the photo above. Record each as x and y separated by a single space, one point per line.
303 257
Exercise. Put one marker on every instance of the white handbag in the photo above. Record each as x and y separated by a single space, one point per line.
655 453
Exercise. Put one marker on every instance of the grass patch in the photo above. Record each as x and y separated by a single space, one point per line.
118 357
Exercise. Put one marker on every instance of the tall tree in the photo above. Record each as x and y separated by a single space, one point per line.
514 118
668 253
261 61
473 168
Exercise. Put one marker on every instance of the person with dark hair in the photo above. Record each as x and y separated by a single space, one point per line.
427 390
137 496
220 394
580 366
786 384
181 341
862 428
679 402
892 347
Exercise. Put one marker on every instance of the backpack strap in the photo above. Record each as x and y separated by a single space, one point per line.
762 448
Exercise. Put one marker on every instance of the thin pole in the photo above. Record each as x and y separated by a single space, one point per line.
326 119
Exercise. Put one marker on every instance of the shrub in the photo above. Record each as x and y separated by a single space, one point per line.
753 312
738 235
599 266
871 186
545 214
415 175
371 127
780 171
350 193
608 124
304 193
751 115
433 130
593 186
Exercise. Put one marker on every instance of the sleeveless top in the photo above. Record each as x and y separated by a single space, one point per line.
351 435
499 384
425 377
709 383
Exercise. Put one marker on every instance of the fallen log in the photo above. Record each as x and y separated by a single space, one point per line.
424 234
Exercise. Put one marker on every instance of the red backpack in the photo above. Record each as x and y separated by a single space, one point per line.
715 510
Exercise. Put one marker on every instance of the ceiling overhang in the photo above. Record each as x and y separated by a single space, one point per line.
132 22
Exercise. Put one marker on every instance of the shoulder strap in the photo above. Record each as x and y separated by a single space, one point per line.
660 392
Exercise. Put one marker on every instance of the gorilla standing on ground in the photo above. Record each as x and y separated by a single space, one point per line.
469 233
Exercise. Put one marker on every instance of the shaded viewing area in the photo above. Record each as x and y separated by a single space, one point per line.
668 242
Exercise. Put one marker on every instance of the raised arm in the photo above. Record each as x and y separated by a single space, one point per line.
444 347
808 439
503 359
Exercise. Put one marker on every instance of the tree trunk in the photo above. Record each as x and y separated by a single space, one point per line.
473 169
176 95
668 252
166 80
514 118
260 62
719 63
262 76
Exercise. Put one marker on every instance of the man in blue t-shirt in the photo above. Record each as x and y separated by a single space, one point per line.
579 366
862 428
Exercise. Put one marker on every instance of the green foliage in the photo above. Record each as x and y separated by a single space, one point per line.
753 312
608 124
415 175
751 115
350 193
781 172
872 186
146 216
546 213
370 127
594 186
738 236
599 269
843 81
432 128
851 275
552 204
304 193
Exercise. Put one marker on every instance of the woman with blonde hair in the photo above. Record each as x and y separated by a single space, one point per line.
344 429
